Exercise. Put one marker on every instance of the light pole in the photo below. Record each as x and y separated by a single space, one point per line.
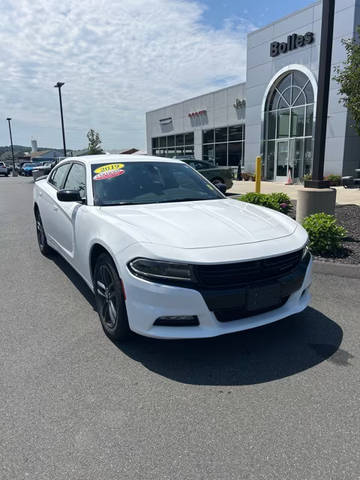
14 173
58 86
327 27
317 196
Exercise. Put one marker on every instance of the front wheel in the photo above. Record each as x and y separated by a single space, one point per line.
217 180
110 300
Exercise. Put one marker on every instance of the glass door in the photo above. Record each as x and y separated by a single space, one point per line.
296 158
282 160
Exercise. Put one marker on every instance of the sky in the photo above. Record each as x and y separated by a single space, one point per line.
118 59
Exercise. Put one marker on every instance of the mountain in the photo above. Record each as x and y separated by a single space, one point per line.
23 148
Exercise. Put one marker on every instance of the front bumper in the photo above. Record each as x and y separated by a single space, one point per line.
147 301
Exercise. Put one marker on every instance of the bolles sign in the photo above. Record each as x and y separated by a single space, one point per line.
293 41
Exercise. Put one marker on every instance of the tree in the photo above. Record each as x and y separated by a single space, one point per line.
94 142
348 77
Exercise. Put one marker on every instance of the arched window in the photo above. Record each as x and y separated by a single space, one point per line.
289 110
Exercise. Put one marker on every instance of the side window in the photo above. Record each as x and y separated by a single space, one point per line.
58 176
76 179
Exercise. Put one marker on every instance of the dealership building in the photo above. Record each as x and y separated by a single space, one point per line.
271 114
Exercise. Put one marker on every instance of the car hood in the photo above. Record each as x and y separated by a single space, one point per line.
202 224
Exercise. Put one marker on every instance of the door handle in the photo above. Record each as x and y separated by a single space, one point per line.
40 193
55 209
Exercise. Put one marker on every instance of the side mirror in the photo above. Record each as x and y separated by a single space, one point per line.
69 196
221 187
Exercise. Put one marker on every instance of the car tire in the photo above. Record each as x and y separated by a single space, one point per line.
41 236
217 180
214 181
110 299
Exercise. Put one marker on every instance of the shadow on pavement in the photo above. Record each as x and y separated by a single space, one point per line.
255 356
260 355
75 278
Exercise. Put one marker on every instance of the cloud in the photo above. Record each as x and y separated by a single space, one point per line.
118 59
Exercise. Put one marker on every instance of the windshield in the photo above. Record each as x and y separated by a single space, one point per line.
149 182
27 165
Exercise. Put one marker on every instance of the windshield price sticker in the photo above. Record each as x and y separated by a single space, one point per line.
109 171
109 167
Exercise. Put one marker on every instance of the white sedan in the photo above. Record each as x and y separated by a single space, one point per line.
166 254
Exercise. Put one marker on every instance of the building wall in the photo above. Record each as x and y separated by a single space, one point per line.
261 68
220 112
342 142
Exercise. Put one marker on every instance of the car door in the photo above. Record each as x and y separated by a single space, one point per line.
48 202
67 211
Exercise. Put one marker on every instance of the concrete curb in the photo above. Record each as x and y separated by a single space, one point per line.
337 269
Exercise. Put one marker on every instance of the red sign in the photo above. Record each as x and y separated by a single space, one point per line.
197 114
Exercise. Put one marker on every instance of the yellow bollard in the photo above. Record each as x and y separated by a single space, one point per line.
258 174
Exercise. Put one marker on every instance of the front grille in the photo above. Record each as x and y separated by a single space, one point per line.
231 314
246 273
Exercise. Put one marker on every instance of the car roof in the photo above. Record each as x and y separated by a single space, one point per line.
119 158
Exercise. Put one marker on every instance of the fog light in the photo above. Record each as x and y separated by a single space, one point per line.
178 321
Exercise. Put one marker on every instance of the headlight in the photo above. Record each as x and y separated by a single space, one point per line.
158 269
305 250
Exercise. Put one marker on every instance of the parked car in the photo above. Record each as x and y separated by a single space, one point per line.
43 169
166 254
4 169
216 174
27 168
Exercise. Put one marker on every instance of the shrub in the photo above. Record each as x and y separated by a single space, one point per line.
282 200
325 236
307 176
335 180
276 201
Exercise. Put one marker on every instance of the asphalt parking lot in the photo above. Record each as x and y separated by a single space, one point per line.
278 402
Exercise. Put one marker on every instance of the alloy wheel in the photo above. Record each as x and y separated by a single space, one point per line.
108 297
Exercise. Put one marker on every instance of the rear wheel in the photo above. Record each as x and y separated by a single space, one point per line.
43 245
110 301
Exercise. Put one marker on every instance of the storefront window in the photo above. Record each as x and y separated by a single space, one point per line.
208 136
235 153
189 138
271 119
297 122
270 155
173 145
236 133
224 145
309 120
170 152
189 150
221 153
209 153
283 117
308 156
180 139
220 135
289 114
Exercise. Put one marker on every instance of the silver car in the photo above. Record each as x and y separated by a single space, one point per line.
4 169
